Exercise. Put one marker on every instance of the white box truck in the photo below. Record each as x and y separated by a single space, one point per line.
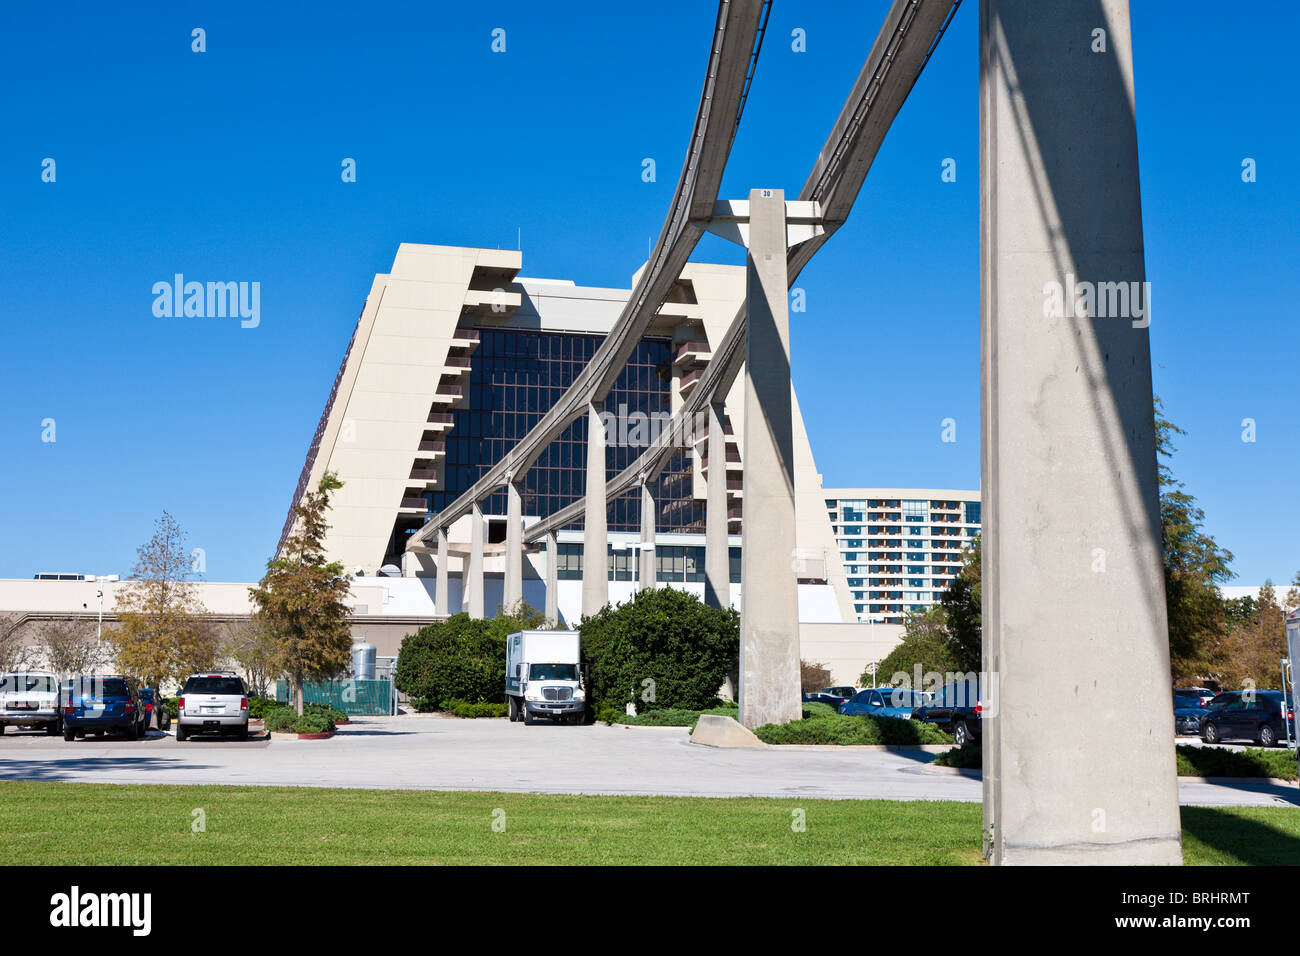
543 677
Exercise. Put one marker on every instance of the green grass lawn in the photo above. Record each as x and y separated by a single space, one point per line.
74 823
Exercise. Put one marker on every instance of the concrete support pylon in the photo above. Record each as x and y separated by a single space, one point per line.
514 577
552 578
1075 633
717 553
442 589
474 572
595 536
646 577
769 622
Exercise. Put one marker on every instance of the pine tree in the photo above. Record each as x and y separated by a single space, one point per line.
161 634
300 600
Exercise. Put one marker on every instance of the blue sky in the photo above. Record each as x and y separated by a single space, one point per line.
225 165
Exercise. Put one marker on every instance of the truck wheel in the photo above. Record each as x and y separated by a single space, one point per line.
180 732
961 734
1266 736
69 734
512 709
526 717
52 727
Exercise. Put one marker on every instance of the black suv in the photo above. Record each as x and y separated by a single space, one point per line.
956 709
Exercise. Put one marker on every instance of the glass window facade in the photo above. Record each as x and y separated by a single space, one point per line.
515 377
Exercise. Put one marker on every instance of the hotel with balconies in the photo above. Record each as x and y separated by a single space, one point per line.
900 547
456 356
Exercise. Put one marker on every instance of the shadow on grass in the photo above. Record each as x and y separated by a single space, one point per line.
1233 832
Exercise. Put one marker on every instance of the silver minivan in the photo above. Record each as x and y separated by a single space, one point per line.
215 702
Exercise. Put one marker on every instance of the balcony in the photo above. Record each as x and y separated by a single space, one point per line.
690 380
489 304
689 353
448 394
441 421
435 447
465 339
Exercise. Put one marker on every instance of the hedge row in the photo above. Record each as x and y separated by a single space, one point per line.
852 731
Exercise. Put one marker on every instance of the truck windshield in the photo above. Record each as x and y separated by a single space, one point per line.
552 671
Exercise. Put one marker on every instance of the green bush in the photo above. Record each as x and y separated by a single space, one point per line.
464 708
461 658
969 757
662 635
173 708
258 707
282 718
1219 762
334 716
844 731
313 723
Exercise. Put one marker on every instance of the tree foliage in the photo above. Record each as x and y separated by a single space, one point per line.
947 637
813 676
69 647
15 653
461 658
161 634
251 647
1254 647
1194 568
664 648
300 599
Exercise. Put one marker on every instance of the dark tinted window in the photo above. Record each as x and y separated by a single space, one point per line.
107 687
214 685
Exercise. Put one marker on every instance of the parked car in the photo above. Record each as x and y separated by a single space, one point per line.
29 699
1187 714
1202 695
829 695
956 708
885 702
1248 715
155 711
98 705
216 702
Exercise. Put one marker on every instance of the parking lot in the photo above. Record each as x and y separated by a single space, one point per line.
427 752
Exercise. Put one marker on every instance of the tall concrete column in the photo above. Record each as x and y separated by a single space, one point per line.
595 536
474 575
1075 635
514 578
769 624
552 578
717 553
442 590
647 569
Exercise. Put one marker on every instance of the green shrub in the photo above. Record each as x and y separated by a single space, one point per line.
334 716
816 708
282 719
464 708
173 708
845 731
1252 762
662 635
258 707
969 757
460 658
313 723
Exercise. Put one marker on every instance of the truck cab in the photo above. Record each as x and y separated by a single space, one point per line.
544 677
